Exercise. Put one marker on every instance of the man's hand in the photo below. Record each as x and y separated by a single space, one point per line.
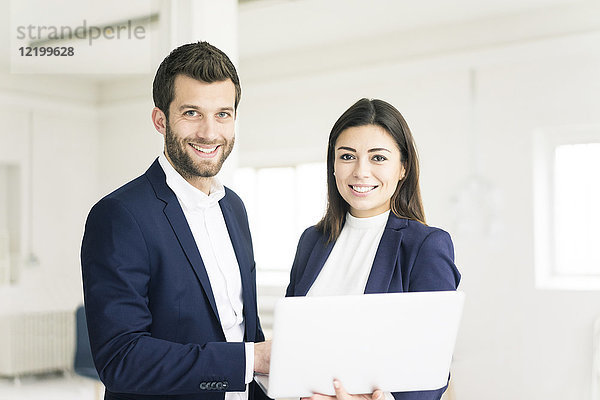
341 394
262 357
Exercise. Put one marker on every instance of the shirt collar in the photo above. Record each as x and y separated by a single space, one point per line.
377 221
190 197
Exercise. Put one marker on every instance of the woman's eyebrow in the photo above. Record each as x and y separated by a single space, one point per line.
378 149
346 148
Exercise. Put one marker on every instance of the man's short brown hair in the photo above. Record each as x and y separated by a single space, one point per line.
201 61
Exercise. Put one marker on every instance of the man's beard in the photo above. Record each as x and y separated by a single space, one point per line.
183 162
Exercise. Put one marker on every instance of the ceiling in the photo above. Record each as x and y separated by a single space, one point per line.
271 26
267 26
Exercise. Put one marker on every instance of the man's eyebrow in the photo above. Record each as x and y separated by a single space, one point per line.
184 106
376 149
194 107
346 148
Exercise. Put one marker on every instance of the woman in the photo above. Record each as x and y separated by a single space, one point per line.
373 237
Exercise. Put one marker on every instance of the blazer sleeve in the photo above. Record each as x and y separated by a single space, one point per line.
433 270
116 275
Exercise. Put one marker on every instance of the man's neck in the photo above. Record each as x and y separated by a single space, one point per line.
200 183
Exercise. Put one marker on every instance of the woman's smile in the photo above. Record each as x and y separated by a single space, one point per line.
363 190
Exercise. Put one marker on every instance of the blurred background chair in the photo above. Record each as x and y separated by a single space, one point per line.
84 363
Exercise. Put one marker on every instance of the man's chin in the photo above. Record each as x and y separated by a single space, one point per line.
205 171
192 166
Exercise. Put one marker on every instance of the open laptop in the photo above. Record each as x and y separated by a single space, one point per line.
394 342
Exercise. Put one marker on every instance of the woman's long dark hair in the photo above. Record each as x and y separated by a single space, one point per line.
406 200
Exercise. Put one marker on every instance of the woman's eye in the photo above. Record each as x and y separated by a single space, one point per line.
379 158
346 157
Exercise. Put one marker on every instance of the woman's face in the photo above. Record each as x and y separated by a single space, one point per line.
367 169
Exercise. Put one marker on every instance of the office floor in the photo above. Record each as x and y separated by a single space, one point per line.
49 387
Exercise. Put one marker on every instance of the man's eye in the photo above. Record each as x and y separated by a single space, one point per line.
191 113
347 157
379 158
223 114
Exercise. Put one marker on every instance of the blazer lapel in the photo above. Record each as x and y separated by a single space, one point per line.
386 257
245 265
179 224
315 263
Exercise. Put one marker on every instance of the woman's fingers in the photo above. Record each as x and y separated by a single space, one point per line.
340 392
318 396
377 395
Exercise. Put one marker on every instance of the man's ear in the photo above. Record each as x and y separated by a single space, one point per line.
159 119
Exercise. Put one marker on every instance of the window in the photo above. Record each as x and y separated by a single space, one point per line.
567 208
281 204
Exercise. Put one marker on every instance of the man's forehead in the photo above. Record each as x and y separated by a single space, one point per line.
187 89
183 80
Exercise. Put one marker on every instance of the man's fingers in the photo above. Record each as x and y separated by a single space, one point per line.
377 395
262 357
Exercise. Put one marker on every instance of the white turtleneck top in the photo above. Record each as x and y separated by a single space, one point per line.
348 266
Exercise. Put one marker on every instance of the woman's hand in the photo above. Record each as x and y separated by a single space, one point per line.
341 394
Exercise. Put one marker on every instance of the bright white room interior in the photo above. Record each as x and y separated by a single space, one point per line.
487 88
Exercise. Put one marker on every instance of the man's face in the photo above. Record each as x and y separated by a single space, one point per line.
200 129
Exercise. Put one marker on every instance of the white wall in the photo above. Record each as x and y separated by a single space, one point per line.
53 140
128 142
545 349
516 342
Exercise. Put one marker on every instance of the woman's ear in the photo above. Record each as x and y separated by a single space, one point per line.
402 171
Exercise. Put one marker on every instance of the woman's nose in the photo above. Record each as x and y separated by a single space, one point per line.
361 169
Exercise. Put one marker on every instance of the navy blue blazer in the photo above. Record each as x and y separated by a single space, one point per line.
153 322
411 257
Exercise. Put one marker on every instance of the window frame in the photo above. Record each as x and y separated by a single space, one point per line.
545 143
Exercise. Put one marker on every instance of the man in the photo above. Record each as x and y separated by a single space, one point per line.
167 261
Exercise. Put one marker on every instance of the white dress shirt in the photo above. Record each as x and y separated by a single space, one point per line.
205 219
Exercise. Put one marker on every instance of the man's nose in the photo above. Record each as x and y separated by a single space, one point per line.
207 129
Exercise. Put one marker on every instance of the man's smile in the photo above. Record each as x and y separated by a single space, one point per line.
210 151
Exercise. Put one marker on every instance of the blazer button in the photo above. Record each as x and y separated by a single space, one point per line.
225 385
213 385
203 386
